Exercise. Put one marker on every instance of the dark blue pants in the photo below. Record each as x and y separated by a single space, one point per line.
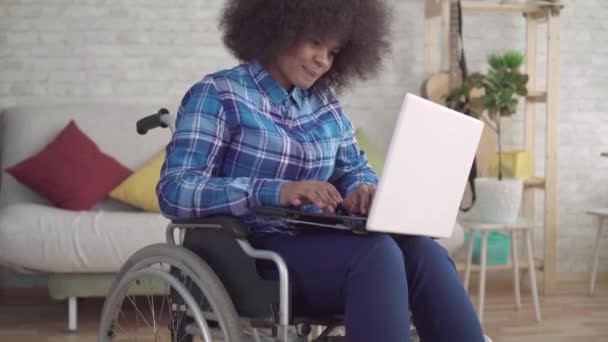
375 281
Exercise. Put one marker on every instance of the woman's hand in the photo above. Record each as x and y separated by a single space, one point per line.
322 194
360 200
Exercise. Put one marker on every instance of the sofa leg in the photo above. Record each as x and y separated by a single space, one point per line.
72 312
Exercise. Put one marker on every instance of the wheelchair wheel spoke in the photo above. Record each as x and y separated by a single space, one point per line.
151 305
192 300
148 319
174 326
140 314
162 306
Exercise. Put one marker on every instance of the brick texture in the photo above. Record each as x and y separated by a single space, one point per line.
151 51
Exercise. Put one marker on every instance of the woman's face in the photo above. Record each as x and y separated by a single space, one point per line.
305 63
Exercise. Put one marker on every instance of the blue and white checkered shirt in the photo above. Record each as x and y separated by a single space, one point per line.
240 137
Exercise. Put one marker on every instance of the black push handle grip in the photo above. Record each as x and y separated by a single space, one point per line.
151 121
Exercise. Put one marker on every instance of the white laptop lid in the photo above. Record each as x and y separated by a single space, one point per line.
425 170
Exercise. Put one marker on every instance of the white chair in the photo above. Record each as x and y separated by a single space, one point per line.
601 214
522 225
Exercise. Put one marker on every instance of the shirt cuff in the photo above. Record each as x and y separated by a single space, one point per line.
267 192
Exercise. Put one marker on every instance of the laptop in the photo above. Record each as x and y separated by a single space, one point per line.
424 177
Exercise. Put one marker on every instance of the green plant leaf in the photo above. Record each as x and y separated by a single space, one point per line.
501 86
513 59
506 95
522 90
496 61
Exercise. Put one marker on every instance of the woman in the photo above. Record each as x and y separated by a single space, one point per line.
270 132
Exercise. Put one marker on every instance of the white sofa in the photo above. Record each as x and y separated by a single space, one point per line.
79 250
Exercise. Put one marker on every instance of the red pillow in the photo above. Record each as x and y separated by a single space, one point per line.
71 171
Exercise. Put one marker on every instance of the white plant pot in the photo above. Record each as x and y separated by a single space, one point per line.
498 201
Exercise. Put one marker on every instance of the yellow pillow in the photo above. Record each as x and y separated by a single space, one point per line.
139 189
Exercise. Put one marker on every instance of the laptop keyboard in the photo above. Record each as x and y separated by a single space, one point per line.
335 221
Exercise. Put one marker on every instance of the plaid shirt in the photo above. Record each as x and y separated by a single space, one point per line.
240 137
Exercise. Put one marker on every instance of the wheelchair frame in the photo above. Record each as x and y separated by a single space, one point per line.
234 229
284 302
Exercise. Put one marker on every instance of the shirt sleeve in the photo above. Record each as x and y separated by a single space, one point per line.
189 185
351 168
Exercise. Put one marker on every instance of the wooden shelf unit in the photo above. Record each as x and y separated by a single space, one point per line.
537 96
535 13
532 7
534 182
485 6
523 265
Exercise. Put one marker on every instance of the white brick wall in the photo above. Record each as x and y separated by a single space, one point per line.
151 51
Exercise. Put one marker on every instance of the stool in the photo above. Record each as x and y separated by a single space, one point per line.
521 225
601 214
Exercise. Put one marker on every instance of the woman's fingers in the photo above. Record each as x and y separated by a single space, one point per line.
333 196
351 203
372 194
336 195
322 194
295 201
317 197
360 200
367 196
364 199
326 196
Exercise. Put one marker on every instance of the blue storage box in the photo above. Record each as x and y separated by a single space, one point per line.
499 248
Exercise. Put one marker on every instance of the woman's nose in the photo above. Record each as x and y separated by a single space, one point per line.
323 58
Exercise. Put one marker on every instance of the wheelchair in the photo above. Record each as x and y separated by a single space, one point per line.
208 292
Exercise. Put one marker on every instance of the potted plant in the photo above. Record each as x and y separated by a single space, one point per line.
498 200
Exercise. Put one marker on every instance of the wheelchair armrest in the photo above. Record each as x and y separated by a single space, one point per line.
229 224
217 240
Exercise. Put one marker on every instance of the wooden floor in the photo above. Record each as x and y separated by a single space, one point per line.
570 315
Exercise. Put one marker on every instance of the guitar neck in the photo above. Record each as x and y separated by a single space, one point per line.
455 73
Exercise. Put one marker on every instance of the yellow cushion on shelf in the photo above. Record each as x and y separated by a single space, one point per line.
139 189
515 164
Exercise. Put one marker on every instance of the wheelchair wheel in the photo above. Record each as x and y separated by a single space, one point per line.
167 293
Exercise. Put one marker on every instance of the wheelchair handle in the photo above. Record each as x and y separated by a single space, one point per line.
158 119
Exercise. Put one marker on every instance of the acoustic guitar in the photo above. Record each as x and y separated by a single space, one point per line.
437 86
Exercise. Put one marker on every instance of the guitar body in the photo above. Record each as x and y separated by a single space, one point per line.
486 150
436 87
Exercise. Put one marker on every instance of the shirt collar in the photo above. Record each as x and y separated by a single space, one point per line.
272 88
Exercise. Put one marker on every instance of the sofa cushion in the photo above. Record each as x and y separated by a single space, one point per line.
26 129
42 238
71 171
139 189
